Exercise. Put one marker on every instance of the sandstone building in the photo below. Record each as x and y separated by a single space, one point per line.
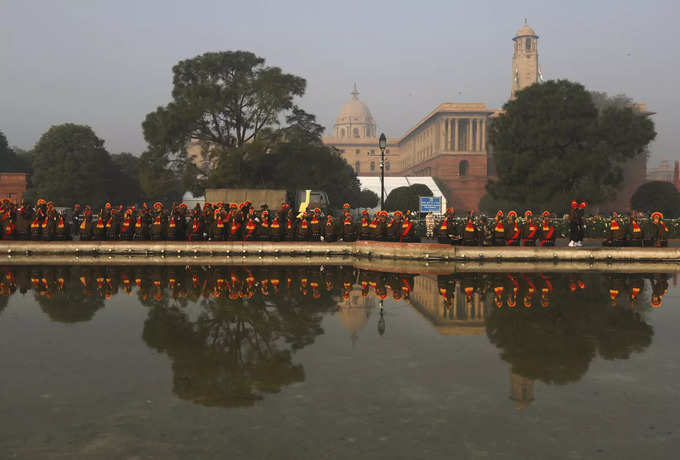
449 144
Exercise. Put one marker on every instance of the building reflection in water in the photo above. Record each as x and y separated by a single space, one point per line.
231 332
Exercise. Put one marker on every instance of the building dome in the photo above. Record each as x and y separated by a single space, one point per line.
525 31
354 119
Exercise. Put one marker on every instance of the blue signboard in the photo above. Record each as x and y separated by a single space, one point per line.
431 204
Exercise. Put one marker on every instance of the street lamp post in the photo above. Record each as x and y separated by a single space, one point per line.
382 143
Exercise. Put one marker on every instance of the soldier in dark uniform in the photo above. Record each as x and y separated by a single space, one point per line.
347 229
447 229
291 229
635 234
263 230
38 218
408 230
196 226
276 232
303 232
127 228
49 225
512 230
573 223
76 218
113 226
330 230
219 231
85 230
547 231
158 226
394 227
470 232
529 230
99 229
235 220
63 230
659 231
365 226
616 235
498 231
249 231
380 229
315 225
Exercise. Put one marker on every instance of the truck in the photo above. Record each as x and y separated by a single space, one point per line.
273 198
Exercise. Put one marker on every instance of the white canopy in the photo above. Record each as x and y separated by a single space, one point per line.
373 183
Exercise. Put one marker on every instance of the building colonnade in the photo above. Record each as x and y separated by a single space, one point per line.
463 134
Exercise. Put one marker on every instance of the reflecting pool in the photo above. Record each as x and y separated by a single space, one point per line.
336 362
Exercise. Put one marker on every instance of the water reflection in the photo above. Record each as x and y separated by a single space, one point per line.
231 332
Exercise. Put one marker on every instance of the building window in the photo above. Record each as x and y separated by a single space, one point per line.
372 165
528 44
342 132
463 167
357 151
356 167
372 151
356 132
387 165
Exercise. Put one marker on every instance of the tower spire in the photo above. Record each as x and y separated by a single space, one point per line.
355 92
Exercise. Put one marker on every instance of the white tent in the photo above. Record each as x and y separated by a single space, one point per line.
373 183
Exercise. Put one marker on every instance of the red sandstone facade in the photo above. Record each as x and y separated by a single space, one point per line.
12 186
464 191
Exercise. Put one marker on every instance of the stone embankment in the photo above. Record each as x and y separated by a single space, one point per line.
404 257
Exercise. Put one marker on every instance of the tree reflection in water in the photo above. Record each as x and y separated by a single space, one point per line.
240 345
585 317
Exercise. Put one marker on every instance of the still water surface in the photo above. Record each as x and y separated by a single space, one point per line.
301 362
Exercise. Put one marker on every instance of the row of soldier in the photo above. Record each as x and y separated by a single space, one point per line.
218 222
243 222
510 231
498 232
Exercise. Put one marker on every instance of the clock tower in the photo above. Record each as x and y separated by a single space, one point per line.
525 70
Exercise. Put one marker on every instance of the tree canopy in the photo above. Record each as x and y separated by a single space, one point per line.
406 198
71 165
553 144
368 199
223 99
657 196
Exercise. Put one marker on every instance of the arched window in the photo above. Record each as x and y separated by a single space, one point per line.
372 165
528 44
463 167
342 132
356 167
387 165
356 132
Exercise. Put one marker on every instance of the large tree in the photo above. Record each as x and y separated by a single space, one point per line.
71 165
224 100
553 144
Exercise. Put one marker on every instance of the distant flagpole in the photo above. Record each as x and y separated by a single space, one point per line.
540 75
517 75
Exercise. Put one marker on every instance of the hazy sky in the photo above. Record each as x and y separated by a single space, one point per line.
107 63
